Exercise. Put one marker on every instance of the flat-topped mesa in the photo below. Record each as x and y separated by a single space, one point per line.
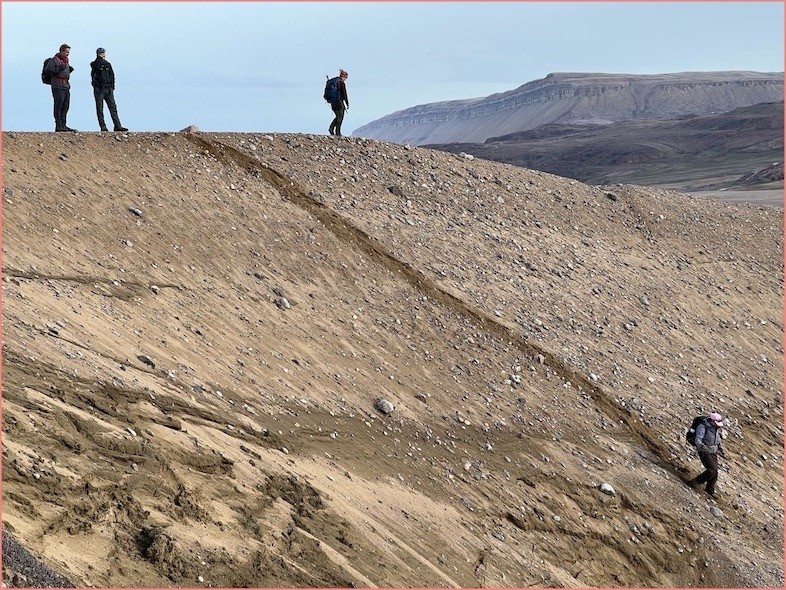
576 98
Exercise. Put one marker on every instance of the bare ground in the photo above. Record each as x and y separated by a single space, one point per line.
196 329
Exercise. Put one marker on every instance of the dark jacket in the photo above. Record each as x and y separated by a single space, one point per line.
61 71
101 74
708 438
342 92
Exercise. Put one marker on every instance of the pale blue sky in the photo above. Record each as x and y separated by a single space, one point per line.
260 67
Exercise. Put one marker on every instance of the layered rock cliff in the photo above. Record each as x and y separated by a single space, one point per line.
569 98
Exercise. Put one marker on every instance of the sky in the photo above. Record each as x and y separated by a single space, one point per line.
261 66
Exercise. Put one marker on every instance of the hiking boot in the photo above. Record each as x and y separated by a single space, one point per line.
692 483
713 494
120 129
104 129
69 129
60 129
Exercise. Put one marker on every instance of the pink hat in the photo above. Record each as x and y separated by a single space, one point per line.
717 418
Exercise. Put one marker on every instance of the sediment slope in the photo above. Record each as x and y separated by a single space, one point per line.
197 327
576 98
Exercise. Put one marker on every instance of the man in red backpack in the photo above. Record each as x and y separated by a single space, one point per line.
60 71
340 104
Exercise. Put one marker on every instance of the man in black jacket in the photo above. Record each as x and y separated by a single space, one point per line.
340 105
60 70
103 79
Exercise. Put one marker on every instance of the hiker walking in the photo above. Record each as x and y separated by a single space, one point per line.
336 95
708 444
58 70
102 77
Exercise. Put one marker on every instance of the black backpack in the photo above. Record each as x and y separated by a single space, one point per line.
331 90
690 436
46 76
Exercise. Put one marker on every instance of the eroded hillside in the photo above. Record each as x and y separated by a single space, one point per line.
197 327
576 98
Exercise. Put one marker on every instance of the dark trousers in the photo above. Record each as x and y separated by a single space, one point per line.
339 110
108 95
62 99
710 462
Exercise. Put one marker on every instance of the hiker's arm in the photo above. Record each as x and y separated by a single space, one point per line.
55 69
344 95
699 440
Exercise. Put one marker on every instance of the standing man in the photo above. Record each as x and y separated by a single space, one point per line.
60 70
708 445
339 104
103 79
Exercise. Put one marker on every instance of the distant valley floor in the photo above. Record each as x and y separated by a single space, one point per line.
770 197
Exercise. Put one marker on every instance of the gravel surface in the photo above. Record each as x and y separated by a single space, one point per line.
23 570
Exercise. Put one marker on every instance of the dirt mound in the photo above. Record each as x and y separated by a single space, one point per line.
197 328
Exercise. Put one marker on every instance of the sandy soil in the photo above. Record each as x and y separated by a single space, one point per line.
197 328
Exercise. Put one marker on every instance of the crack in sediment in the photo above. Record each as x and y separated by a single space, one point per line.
84 280
347 232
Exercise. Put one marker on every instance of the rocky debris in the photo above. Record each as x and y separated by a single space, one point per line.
146 360
190 129
383 406
135 211
21 569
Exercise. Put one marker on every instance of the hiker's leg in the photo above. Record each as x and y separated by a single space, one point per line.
57 98
339 117
98 94
334 106
710 461
109 96
66 104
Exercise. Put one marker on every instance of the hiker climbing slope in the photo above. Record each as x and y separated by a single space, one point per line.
708 445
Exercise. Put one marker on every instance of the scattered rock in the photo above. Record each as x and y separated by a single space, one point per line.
607 489
384 406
